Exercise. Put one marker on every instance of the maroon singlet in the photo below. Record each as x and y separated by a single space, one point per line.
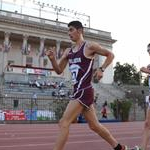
81 69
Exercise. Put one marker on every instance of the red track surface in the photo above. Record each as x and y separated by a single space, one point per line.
43 136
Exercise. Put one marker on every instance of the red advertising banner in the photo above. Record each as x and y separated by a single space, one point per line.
15 115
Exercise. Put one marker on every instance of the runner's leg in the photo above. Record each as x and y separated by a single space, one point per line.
146 134
90 116
73 109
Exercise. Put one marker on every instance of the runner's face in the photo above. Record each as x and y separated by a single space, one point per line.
73 33
148 49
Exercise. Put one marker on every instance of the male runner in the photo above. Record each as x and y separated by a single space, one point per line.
80 58
146 132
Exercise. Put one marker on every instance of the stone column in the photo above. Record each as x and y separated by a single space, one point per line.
7 47
41 49
57 48
7 43
24 49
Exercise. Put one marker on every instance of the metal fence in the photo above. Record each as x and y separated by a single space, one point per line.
49 110
30 110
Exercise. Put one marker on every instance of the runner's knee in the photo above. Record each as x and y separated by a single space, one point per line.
63 123
147 126
94 126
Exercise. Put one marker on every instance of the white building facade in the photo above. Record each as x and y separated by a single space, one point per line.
24 38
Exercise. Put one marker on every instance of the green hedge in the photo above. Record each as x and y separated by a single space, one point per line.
121 109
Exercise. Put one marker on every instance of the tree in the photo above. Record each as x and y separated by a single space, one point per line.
127 74
60 106
121 109
145 82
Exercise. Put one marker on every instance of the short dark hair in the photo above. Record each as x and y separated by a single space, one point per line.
76 24
148 47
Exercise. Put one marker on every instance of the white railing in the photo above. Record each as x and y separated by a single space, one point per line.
17 15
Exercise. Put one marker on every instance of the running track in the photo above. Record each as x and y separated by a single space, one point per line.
43 136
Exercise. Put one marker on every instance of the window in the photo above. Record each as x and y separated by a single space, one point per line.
11 61
29 61
8 67
16 103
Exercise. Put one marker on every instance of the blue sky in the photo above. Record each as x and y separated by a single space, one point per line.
127 20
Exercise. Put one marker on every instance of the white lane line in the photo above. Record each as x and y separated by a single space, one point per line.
69 142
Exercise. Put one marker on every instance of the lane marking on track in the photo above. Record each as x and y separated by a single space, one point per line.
69 142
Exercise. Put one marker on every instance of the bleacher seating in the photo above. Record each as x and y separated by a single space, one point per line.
18 84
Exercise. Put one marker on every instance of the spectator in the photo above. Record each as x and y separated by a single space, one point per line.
34 98
37 84
61 84
30 83
104 112
61 93
96 98
54 84
11 84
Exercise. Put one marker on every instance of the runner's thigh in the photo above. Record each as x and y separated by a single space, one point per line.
73 109
90 115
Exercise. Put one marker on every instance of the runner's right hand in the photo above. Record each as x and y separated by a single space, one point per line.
50 53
